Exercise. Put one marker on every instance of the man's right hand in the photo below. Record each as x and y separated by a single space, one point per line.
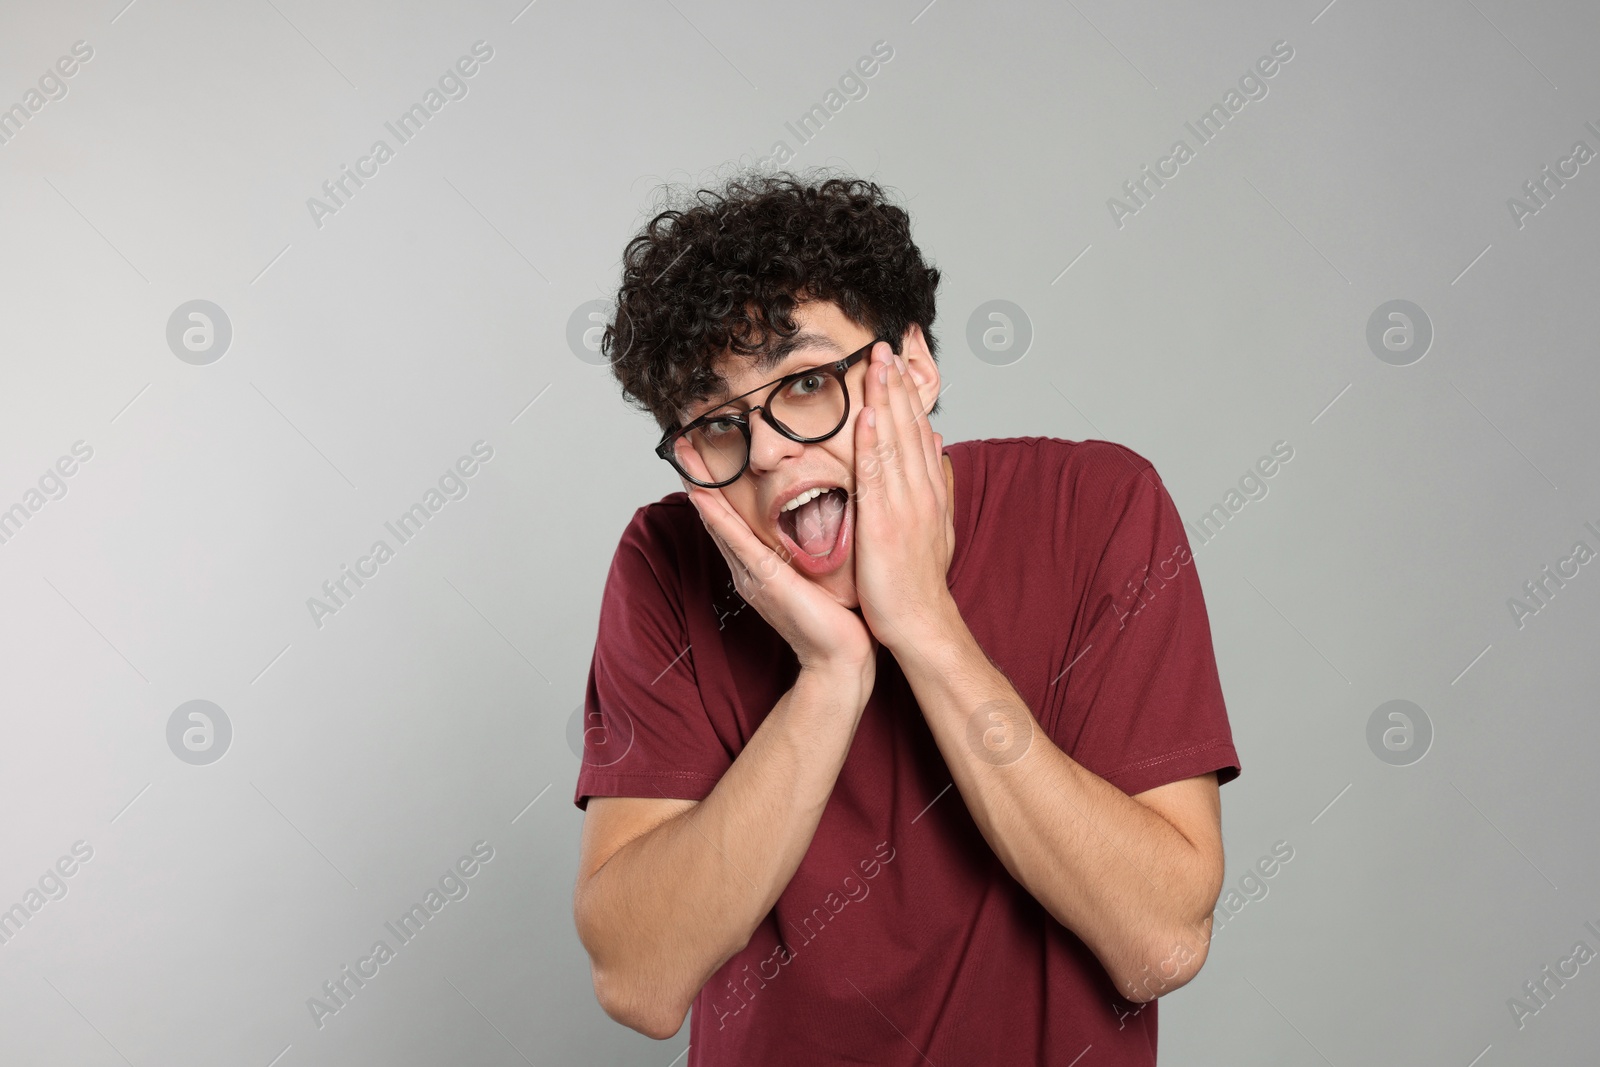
826 636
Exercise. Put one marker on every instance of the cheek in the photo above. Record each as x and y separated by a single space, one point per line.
842 445
744 502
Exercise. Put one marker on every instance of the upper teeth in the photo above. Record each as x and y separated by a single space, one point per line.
809 494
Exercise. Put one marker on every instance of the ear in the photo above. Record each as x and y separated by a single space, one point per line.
921 366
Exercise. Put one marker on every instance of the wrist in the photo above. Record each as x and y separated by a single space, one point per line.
933 627
848 682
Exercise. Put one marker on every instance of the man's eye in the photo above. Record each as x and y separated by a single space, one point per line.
718 427
806 386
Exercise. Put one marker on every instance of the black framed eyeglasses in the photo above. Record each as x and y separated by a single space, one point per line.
808 406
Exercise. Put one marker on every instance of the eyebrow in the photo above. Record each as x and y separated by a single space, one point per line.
778 351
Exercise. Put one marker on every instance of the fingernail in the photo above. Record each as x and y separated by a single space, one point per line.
871 417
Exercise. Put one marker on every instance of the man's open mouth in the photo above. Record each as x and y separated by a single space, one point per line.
814 524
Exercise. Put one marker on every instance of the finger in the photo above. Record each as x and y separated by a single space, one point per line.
700 496
754 554
870 475
936 467
706 499
912 447
749 559
716 519
914 429
924 426
690 457
743 579
735 564
924 430
888 452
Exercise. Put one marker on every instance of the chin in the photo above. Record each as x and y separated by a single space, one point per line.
841 586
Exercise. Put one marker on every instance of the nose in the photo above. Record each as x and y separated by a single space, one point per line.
768 447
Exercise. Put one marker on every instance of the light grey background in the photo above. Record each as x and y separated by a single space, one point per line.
431 312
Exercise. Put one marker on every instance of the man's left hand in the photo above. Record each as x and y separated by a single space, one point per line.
905 533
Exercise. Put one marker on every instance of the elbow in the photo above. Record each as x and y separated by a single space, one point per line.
1173 953
1168 962
625 996
622 996
636 985
622 1004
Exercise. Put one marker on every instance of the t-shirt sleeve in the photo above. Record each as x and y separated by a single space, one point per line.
1143 695
646 731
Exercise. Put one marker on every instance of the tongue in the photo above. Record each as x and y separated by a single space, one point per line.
817 522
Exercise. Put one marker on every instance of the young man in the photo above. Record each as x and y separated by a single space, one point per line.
897 753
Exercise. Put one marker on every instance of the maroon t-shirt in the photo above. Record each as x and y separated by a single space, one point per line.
902 938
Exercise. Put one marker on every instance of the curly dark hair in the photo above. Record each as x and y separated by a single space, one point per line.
720 269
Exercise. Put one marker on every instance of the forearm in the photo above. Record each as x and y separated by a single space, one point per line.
672 906
1107 867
